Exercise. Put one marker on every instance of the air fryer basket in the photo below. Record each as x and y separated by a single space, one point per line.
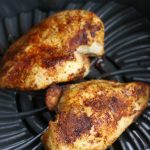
23 115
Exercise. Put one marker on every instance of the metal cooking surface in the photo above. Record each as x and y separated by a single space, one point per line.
23 115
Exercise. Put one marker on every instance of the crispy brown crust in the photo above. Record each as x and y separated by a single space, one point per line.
48 45
96 112
52 96
81 38
71 126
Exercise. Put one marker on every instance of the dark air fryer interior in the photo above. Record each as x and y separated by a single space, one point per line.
23 115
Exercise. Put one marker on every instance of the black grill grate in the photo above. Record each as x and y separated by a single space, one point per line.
23 115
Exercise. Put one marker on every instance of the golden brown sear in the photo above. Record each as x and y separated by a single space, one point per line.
56 50
93 114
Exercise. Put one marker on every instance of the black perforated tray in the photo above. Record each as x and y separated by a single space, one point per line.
23 115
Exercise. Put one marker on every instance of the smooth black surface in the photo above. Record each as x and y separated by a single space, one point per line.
23 116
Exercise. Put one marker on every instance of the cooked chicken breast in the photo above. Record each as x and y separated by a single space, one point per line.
93 114
54 51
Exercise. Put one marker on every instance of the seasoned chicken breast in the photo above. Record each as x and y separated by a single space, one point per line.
56 50
93 114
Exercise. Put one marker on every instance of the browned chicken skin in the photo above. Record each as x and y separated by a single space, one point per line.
52 96
54 51
93 114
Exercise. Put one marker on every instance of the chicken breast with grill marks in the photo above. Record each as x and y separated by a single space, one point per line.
56 50
93 114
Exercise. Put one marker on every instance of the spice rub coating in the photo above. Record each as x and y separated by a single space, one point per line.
56 50
91 115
